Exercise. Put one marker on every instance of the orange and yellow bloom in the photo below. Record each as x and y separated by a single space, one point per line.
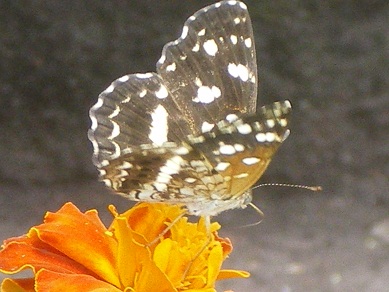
74 251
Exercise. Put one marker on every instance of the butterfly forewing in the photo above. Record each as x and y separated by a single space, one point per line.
211 69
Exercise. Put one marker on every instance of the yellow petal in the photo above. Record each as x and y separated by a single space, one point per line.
228 274
130 253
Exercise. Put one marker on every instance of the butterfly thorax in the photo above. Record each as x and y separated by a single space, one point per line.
214 207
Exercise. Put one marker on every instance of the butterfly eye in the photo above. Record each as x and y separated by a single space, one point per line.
189 133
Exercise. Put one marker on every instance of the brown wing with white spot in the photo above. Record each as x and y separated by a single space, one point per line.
211 69
134 110
240 149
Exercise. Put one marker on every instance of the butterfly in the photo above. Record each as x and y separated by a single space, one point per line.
189 134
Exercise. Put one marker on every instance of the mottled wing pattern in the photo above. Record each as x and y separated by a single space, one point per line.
211 69
187 134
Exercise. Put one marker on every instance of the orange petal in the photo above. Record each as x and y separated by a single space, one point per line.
226 244
151 219
83 238
23 252
18 285
58 282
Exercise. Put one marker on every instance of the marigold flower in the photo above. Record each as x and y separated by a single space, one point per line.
74 251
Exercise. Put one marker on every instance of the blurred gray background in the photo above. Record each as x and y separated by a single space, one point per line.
330 58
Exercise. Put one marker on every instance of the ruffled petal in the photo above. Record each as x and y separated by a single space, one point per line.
130 252
151 247
83 238
58 282
151 278
17 285
29 252
151 220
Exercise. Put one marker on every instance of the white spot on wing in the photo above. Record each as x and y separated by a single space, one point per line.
96 106
283 122
231 117
239 70
233 70
115 112
244 129
242 5
125 165
172 165
222 166
270 123
161 187
261 137
234 39
171 67
252 78
286 135
216 91
182 151
144 75
115 130
227 149
241 175
94 123
163 178
205 94
162 59
201 32
196 47
248 42
270 137
239 147
190 180
210 47
124 78
117 152
185 31
109 89
162 92
107 182
206 127
250 160
243 72
159 126
143 93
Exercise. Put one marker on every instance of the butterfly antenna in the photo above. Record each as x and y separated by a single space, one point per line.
311 188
